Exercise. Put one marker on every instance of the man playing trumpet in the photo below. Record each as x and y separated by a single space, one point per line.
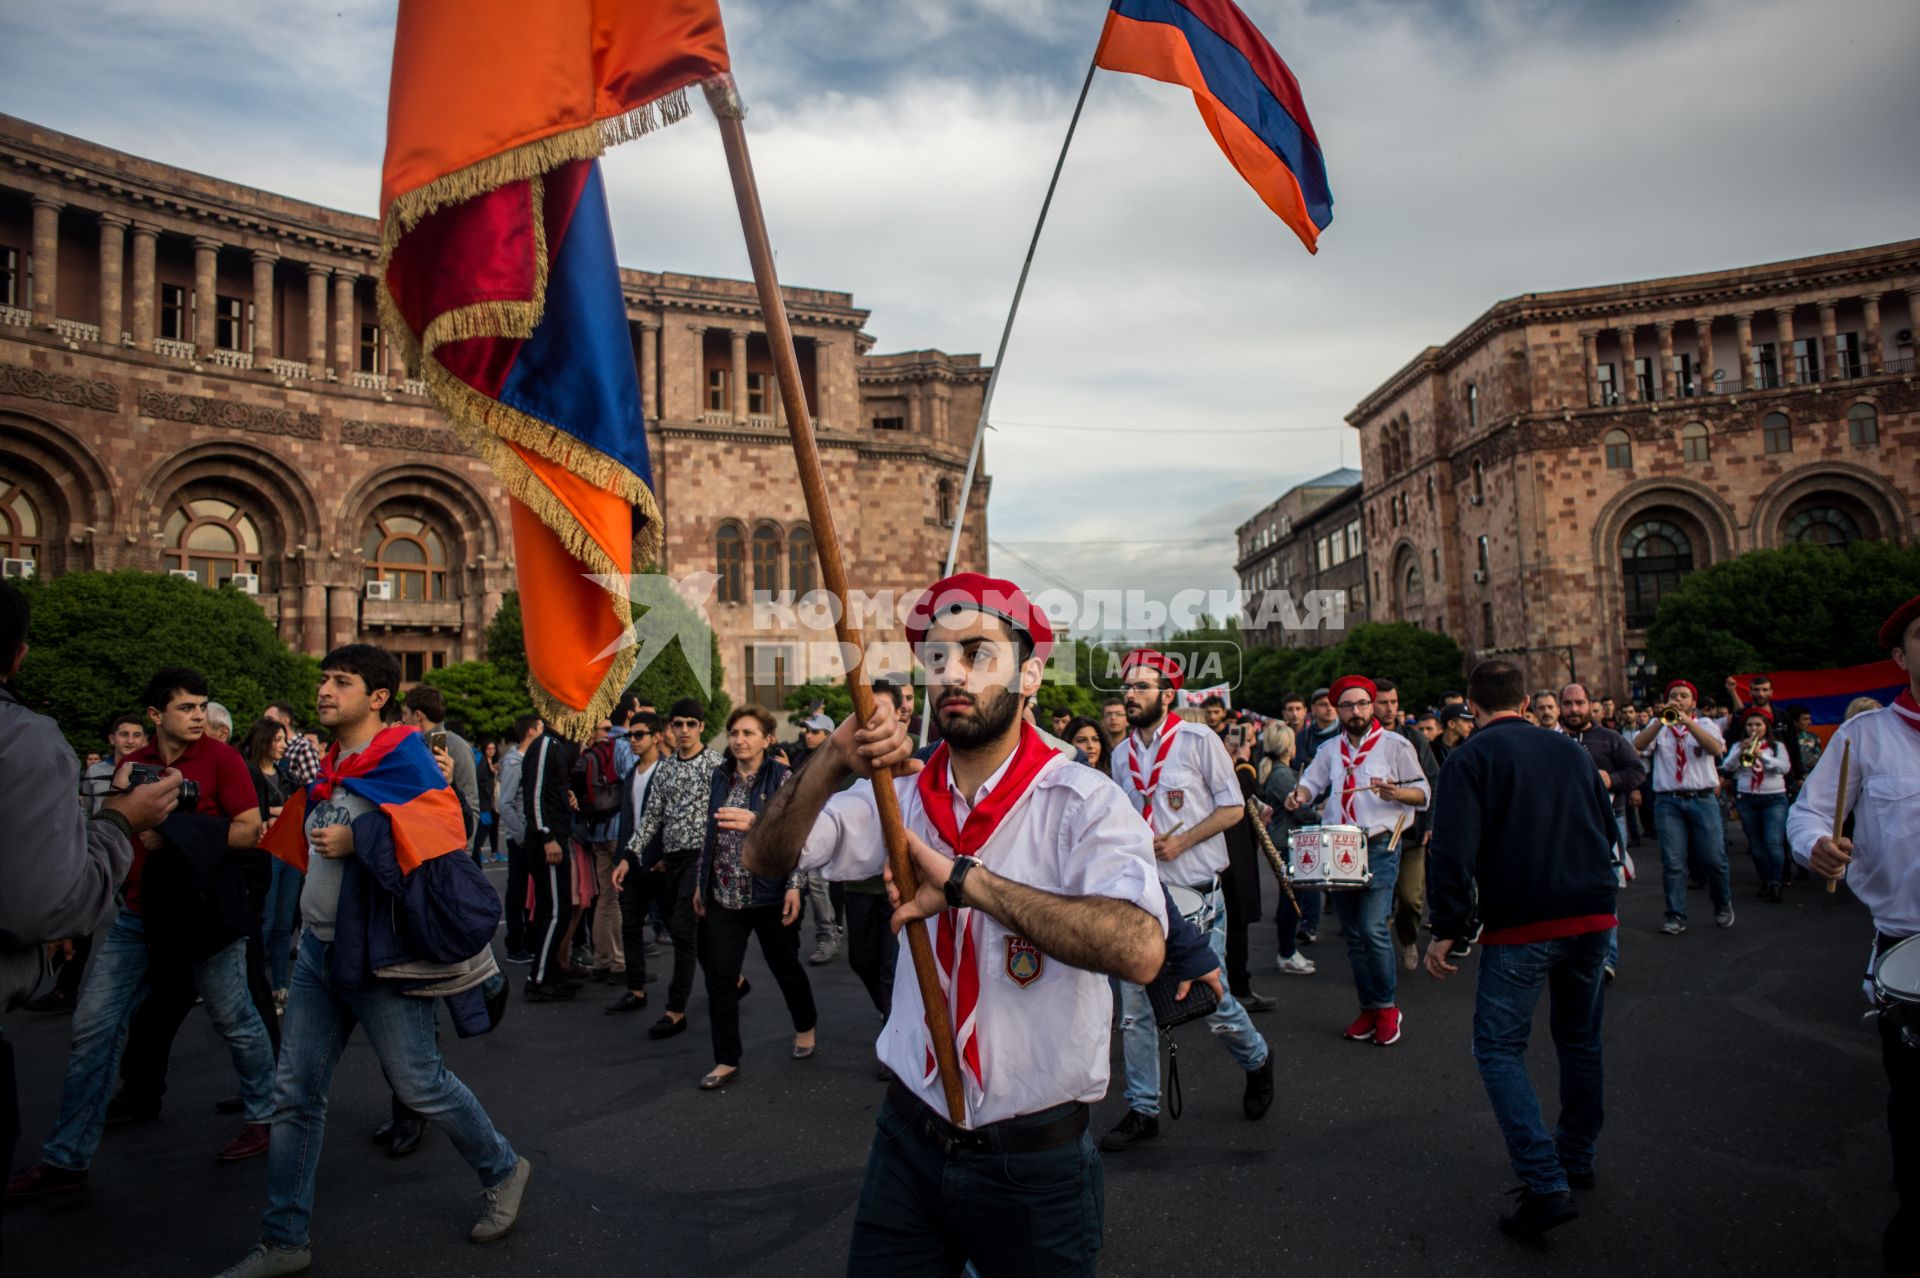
1686 811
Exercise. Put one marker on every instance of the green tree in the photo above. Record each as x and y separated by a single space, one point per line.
482 699
97 637
1422 663
507 640
1800 607
839 700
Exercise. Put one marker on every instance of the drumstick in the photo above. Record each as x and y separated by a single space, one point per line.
1270 852
1840 803
1398 821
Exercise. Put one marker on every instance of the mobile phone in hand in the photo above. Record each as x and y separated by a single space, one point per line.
437 739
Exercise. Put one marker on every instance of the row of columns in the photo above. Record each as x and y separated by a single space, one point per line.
206 261
1787 369
737 378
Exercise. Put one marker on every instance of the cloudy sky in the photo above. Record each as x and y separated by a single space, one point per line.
1179 360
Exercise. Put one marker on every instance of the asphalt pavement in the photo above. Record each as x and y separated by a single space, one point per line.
1745 1134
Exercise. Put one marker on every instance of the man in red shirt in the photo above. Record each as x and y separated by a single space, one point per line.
121 970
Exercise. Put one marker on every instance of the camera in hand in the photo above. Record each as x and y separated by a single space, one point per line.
146 774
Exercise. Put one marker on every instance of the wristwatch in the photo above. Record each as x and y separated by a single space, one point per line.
962 866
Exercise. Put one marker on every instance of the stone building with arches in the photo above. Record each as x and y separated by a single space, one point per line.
1545 477
193 380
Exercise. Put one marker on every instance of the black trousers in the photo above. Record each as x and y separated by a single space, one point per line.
516 903
9 1122
674 891
1901 1242
552 903
157 1021
872 949
636 897
1240 894
723 944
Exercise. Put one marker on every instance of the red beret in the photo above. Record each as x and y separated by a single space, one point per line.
1681 683
1168 667
1893 631
1346 683
995 596
1756 712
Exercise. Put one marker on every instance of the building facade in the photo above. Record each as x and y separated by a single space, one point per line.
1307 542
1545 477
193 380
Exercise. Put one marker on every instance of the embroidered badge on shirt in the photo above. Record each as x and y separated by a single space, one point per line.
1176 799
1023 961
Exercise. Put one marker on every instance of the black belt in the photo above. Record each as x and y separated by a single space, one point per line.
1025 1134
1684 794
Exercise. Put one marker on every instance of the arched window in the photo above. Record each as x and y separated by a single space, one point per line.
1777 433
1821 526
1473 407
19 523
803 565
1694 446
729 564
766 560
1413 590
1863 426
1654 555
211 538
1619 450
407 551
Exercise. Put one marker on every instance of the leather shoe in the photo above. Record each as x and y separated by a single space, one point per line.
383 1134
667 1027
407 1135
628 1002
229 1105
1258 1098
250 1143
122 1112
42 1179
1257 1002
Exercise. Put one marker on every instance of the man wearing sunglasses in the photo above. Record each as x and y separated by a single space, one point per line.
1372 779
668 842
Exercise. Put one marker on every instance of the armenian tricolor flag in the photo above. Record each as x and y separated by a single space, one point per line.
396 773
1245 93
499 285
1826 693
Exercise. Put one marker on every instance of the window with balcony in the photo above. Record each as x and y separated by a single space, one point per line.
1806 360
889 423
1863 426
1683 376
1694 445
212 539
1619 450
757 401
803 563
1847 355
718 398
373 349
766 560
1777 433
1643 378
19 523
407 551
729 564
175 325
10 291
1766 366
229 323
1603 382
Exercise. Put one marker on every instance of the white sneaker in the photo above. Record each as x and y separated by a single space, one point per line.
268 1261
1298 965
1410 957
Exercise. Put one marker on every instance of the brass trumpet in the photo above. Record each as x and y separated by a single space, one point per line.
1671 715
1750 752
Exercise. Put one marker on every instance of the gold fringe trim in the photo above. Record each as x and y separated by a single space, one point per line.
490 427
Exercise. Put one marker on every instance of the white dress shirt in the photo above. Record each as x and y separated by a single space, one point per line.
1392 758
1773 769
1046 1041
1195 781
1702 768
1883 794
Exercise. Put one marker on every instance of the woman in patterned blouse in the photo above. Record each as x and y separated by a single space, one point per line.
733 904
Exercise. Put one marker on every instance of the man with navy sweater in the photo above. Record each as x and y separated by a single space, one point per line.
1522 811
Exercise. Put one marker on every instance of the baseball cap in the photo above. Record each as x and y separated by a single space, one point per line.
817 723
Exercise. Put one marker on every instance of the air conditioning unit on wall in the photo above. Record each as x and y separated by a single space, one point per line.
247 583
382 590
186 574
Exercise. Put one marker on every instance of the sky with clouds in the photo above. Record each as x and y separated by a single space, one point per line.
1179 360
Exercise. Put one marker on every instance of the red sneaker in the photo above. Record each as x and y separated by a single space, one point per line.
1362 1028
42 1179
250 1143
1386 1027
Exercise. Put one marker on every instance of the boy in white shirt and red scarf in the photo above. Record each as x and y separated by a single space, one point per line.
1372 779
1685 771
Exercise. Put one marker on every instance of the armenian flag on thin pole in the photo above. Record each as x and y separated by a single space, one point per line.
497 280
1245 93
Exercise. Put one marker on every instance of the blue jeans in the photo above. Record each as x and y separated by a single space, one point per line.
1764 818
924 1212
1312 906
314 1031
1510 981
1140 1035
1691 834
1364 917
283 905
116 982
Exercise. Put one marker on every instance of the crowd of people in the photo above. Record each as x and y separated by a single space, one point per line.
300 884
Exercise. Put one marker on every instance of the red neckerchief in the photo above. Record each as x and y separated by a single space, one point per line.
1681 735
1150 784
1351 761
1759 766
1906 710
953 943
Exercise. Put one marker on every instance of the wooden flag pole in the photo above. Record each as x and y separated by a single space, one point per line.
725 100
1840 803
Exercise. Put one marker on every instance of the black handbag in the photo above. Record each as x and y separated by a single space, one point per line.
1169 1013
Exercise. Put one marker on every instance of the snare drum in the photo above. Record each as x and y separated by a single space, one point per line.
1331 858
1195 906
1896 986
